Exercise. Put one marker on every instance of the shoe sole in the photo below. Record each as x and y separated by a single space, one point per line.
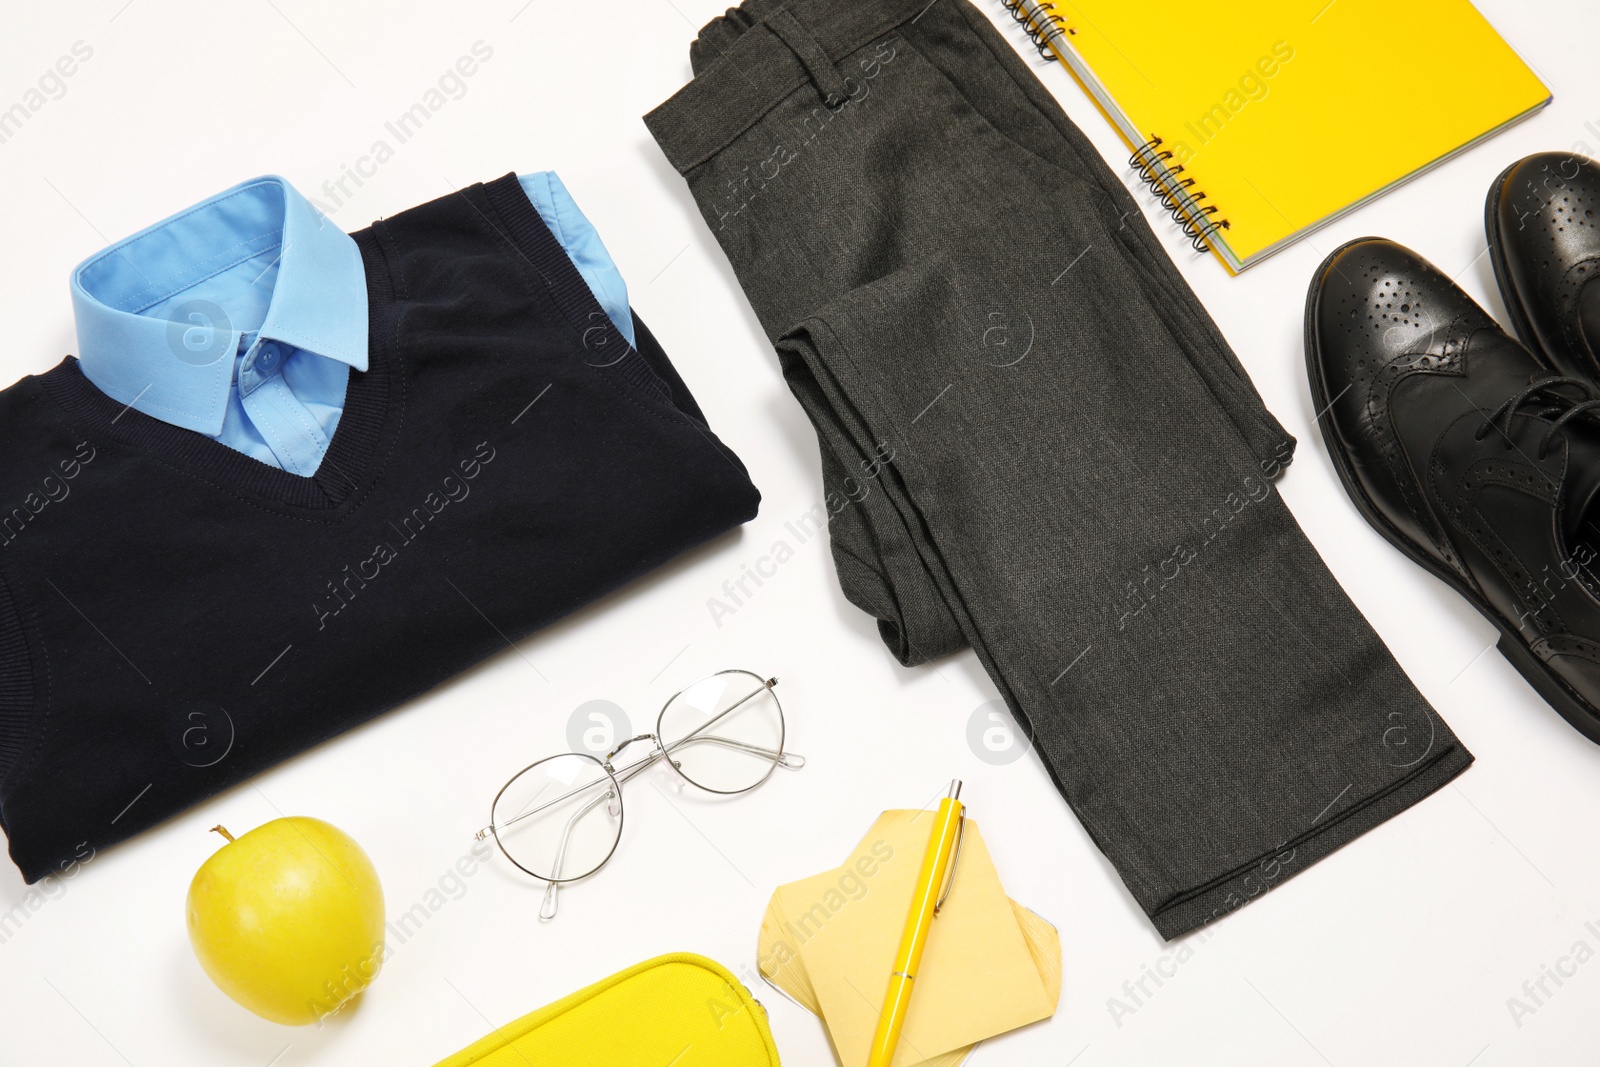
1520 323
1567 703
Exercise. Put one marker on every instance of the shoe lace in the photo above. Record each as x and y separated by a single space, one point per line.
1546 392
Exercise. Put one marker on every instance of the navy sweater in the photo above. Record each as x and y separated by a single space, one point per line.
176 616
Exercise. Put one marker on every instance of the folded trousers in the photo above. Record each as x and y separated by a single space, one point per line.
1076 474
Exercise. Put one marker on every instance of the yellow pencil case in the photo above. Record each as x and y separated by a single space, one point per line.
680 1009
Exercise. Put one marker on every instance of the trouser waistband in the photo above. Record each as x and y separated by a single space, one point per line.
756 55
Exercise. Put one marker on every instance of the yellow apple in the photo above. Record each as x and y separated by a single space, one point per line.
288 919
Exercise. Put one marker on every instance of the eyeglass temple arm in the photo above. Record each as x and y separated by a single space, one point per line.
638 766
547 910
633 769
785 759
766 686
790 760
621 776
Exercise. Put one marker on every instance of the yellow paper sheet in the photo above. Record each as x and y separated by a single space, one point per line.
785 970
990 966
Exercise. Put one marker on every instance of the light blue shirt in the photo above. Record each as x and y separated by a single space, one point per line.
241 317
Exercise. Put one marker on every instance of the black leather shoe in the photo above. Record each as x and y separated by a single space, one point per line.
1469 455
1543 221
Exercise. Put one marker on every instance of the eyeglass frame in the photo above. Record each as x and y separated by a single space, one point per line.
620 777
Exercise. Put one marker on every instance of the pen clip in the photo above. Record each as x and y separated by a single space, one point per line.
955 858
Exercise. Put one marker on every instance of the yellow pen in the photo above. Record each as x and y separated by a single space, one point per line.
937 862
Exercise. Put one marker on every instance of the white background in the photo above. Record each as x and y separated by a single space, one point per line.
1402 948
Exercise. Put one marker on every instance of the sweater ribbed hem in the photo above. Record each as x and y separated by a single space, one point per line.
16 684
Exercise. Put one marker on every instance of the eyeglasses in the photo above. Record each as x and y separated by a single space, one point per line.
559 819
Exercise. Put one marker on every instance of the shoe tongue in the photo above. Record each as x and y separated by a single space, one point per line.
1582 488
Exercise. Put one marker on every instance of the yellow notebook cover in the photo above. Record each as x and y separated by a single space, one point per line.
1259 122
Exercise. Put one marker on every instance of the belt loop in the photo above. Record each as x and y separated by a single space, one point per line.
825 74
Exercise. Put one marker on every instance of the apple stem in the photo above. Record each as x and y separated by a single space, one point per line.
223 830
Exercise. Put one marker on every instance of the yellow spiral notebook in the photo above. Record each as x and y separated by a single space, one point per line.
1257 122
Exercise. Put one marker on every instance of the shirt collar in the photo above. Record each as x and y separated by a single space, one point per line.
160 315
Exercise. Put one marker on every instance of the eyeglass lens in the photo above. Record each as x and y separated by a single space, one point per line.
724 733
560 818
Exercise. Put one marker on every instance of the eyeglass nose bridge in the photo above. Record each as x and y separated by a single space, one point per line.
614 752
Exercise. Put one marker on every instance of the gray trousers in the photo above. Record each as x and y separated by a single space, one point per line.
1076 474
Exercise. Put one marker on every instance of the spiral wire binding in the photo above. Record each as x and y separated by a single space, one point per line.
1042 24
1176 194
1187 208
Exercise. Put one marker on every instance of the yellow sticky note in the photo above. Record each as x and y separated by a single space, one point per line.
830 939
